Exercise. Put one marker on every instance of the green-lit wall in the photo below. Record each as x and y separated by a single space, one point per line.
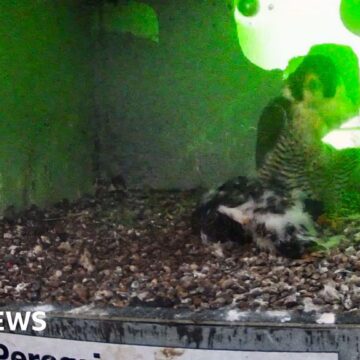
178 113
181 112
45 101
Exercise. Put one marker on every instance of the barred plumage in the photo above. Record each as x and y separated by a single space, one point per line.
296 171
319 171
285 167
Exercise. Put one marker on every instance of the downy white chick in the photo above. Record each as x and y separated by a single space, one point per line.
242 210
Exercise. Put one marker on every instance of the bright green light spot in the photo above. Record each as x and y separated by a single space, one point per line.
248 7
350 14
284 29
347 136
133 17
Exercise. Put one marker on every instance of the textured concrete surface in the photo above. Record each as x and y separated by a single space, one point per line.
214 330
181 112
45 96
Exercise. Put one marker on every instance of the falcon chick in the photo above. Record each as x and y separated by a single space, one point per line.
242 210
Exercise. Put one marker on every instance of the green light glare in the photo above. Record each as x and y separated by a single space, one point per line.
350 14
284 29
347 136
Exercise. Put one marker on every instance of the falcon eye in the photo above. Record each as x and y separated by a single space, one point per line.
248 7
314 85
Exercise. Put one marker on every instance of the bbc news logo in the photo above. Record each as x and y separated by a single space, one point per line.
14 321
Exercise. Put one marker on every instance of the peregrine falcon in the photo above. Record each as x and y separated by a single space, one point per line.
293 156
296 171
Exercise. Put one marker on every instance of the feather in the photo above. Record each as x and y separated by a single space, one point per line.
275 221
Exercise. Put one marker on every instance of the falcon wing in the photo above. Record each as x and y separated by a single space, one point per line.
272 122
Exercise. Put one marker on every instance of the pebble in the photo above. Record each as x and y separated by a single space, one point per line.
103 294
81 291
65 247
355 280
291 301
329 293
109 260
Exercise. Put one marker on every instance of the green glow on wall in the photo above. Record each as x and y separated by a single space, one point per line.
45 138
134 17
284 29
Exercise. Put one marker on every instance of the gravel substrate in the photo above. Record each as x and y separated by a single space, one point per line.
128 248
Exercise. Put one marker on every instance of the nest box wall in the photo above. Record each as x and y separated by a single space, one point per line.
179 110
45 145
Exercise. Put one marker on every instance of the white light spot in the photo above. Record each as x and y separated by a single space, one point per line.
326 318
